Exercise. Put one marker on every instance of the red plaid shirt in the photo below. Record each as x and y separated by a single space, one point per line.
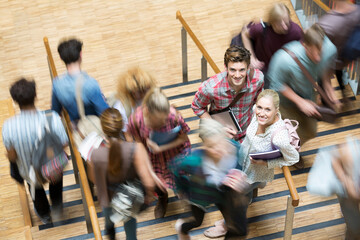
217 92
160 161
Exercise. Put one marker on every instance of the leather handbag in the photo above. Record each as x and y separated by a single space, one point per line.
87 123
226 116
327 111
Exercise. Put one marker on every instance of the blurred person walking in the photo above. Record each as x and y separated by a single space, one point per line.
336 170
151 124
265 38
119 162
213 175
20 136
297 94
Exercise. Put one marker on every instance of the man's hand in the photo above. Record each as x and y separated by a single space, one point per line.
255 63
230 132
153 147
308 107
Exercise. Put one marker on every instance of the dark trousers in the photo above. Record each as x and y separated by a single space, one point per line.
233 208
41 202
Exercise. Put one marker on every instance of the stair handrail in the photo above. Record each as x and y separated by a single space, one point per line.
290 183
22 192
322 5
82 174
197 42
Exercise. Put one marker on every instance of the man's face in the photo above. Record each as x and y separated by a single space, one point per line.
237 74
282 26
313 53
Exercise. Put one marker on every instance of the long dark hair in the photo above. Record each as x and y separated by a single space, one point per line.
112 124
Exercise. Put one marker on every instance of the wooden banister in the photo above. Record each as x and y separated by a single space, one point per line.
82 173
197 42
322 5
22 192
290 182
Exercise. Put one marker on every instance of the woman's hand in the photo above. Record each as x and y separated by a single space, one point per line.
153 147
258 162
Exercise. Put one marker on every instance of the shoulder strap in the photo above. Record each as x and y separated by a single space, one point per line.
48 114
78 92
240 94
309 77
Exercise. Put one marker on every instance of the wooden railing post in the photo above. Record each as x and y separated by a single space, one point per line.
92 222
197 42
184 54
289 219
203 69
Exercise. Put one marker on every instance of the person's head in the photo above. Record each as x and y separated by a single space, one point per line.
156 108
70 50
112 124
214 137
279 18
313 41
134 84
23 92
236 60
267 107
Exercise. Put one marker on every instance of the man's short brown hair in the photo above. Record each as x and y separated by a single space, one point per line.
237 54
314 36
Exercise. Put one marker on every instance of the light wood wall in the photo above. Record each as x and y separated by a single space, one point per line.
116 35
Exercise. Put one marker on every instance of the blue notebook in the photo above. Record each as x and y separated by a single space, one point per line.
162 138
266 155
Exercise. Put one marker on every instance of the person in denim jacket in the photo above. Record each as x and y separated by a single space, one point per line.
63 91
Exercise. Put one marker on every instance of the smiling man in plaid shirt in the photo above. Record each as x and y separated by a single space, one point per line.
221 89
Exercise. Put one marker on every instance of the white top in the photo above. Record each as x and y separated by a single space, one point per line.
261 143
119 106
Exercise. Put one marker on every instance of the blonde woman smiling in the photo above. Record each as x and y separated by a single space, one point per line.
266 123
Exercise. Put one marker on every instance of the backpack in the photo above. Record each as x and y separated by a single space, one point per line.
351 50
294 137
48 157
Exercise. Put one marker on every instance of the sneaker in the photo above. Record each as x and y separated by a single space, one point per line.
181 235
44 219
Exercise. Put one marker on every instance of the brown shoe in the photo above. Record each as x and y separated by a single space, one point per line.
300 164
161 206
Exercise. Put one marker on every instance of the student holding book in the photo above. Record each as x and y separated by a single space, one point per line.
150 124
265 129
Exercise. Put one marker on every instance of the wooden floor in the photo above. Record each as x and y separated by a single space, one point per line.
117 35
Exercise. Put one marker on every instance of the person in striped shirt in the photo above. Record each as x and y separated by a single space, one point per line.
220 90
20 134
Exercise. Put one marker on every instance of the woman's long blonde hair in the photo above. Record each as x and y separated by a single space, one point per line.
133 80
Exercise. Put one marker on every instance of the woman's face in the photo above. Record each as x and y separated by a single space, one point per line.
157 119
215 147
265 111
